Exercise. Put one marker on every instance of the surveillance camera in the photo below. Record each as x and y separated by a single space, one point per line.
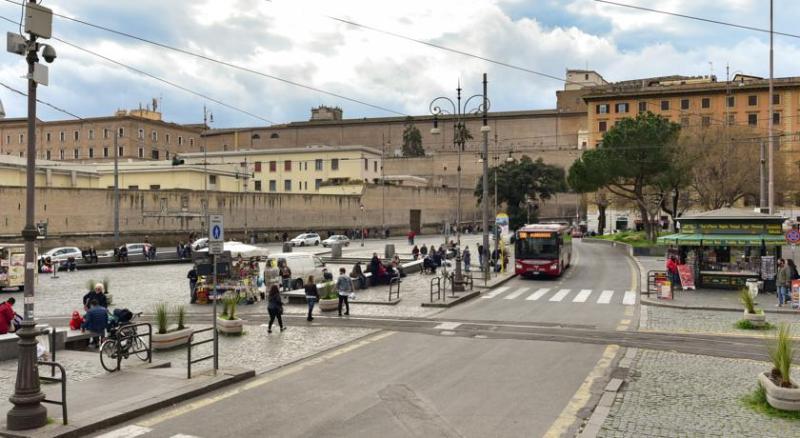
49 54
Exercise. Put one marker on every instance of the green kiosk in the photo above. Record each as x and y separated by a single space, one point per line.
725 248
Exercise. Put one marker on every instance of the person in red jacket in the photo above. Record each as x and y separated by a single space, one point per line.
6 315
672 271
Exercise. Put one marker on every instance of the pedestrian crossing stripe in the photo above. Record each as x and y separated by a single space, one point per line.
134 431
563 295
538 294
496 292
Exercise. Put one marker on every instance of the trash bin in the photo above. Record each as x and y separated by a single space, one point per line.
752 286
388 251
336 251
287 247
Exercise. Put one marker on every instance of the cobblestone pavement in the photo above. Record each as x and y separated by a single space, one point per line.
260 350
682 395
706 321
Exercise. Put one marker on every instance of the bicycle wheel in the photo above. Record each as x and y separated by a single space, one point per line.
108 355
141 349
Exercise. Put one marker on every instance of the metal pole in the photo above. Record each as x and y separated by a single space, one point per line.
246 180
485 197
28 412
459 142
771 151
363 223
116 191
762 182
214 317
383 188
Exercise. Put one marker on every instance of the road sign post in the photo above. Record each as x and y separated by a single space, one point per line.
216 239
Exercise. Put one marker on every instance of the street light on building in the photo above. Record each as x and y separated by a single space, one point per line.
458 112
28 412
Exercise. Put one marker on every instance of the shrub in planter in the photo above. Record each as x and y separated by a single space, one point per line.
328 299
228 322
167 336
782 393
753 315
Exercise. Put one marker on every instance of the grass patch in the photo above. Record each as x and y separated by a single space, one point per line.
633 238
747 325
757 401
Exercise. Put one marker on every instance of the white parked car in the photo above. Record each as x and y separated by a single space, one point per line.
301 264
306 239
200 244
337 238
62 253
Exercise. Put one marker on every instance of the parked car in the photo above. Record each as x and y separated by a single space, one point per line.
62 253
577 233
200 244
133 249
301 264
306 239
336 238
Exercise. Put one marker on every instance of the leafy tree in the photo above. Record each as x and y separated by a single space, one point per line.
521 182
412 140
631 163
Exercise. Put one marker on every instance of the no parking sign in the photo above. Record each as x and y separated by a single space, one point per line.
793 236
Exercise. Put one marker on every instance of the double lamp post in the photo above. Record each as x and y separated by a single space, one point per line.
458 112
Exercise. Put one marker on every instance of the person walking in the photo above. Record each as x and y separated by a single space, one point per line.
782 281
96 321
480 255
275 308
467 257
312 296
286 275
192 276
344 286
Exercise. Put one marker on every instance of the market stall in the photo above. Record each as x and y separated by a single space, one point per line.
238 270
725 248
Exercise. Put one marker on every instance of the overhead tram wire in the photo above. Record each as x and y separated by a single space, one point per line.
152 76
221 62
61 110
691 17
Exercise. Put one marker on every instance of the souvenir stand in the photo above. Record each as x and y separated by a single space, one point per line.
238 270
725 248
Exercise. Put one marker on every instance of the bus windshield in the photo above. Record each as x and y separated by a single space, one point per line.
536 248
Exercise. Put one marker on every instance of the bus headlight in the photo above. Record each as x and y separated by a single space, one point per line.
518 265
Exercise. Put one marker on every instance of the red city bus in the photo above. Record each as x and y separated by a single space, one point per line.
542 249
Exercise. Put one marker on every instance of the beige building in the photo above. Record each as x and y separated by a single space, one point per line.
13 173
142 135
162 175
312 169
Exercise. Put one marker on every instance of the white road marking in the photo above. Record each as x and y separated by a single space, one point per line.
605 297
127 432
516 293
560 295
495 292
538 294
447 326
183 435
582 296
629 299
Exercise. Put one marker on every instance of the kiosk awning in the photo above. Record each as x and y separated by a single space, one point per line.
732 239
685 239
774 239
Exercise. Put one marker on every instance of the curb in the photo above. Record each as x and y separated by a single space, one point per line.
603 408
654 303
457 301
232 376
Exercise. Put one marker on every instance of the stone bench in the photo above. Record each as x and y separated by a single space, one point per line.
8 342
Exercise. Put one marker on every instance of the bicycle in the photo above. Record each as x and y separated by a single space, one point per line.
122 341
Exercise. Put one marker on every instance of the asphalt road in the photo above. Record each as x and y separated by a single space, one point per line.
441 383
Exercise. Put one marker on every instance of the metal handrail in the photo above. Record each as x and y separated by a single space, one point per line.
393 281
130 334
189 346
62 381
438 284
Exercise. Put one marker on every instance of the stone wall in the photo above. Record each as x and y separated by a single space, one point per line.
86 216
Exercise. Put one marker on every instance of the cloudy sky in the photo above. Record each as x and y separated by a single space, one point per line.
296 40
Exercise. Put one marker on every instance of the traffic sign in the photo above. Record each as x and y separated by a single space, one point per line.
216 234
793 236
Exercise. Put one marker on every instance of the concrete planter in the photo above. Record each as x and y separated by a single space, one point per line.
786 399
230 326
171 339
756 319
329 305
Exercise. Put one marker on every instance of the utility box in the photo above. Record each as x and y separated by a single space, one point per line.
38 20
388 251
287 247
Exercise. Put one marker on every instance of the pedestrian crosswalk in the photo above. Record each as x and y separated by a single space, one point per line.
134 431
605 296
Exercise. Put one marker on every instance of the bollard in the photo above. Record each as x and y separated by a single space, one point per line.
336 251
388 251
287 247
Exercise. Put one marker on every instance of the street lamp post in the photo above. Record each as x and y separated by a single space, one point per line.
459 113
363 223
28 412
